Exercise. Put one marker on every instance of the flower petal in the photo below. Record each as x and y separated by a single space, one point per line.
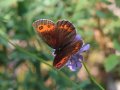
78 37
80 57
75 66
85 48
75 62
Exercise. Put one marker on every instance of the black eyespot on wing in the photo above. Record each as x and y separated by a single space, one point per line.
46 30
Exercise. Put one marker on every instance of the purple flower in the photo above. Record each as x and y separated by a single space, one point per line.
75 61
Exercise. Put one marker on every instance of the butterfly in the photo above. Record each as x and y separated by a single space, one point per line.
60 36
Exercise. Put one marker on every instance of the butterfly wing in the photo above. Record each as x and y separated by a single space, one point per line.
63 56
66 32
55 35
61 35
46 30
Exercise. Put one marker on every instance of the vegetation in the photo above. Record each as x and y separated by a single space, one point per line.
26 61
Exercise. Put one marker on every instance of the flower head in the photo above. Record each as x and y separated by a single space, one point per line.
75 61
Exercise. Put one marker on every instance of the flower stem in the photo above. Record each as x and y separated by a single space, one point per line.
92 78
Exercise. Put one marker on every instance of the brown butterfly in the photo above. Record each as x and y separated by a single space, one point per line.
61 36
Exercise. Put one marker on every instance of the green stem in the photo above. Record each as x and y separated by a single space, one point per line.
92 78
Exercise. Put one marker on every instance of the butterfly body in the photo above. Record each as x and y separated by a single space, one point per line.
60 36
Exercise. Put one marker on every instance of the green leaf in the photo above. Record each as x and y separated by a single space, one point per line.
116 45
117 2
106 2
100 14
111 62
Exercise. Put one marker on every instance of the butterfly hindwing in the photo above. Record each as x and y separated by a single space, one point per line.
64 54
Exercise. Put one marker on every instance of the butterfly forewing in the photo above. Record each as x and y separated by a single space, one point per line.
46 30
55 35
66 32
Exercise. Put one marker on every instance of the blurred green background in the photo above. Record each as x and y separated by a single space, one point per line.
22 62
